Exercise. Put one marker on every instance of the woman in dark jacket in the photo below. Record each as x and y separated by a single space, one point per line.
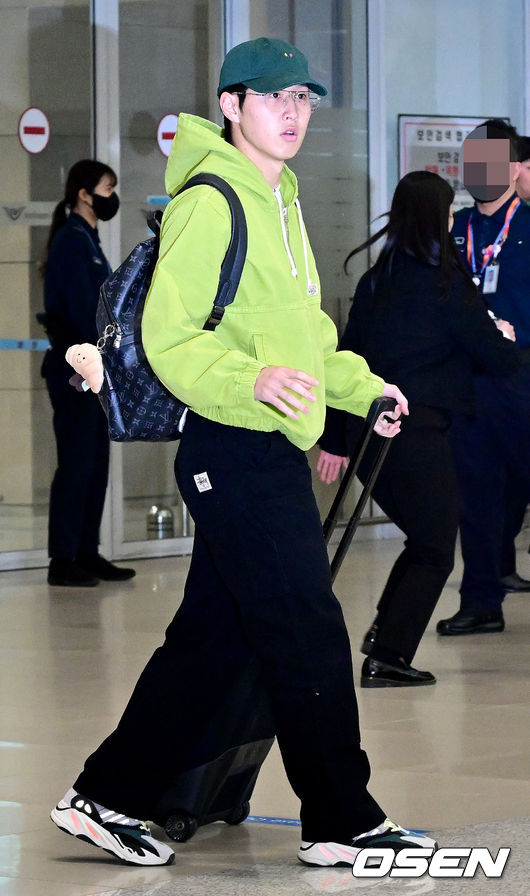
74 269
418 320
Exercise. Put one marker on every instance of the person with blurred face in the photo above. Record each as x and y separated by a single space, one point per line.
492 447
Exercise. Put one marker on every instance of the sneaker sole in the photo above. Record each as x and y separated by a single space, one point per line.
328 855
78 825
339 855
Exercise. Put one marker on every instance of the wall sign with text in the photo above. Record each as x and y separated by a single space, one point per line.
434 143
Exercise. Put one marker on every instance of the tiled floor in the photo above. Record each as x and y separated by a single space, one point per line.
452 758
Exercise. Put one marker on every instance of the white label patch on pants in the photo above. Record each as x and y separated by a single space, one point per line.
202 482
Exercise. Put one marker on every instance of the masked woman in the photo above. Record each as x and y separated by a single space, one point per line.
418 321
74 269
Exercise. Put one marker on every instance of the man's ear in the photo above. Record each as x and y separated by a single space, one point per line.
229 104
515 170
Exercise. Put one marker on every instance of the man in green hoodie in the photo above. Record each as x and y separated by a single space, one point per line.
259 587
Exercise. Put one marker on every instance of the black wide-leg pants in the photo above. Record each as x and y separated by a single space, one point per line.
258 587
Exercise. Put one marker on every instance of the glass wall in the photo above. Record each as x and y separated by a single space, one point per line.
163 65
100 77
45 67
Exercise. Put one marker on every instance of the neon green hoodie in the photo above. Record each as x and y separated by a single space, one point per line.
275 318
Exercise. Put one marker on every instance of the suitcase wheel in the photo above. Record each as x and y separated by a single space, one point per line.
239 814
180 826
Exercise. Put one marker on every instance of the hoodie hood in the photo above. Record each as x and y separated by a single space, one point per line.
199 146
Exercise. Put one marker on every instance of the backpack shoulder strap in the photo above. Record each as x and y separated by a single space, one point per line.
232 266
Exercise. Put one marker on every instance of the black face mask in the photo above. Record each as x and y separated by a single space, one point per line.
105 207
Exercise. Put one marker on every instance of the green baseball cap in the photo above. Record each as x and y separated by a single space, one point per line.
264 65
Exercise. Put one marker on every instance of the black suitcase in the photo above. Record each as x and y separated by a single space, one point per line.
220 789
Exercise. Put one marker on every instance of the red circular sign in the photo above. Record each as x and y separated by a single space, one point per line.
33 130
167 129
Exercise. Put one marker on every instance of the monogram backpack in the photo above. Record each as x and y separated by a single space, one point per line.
138 406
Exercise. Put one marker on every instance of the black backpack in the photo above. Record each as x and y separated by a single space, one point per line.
138 406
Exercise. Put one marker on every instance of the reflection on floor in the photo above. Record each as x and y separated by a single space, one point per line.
452 758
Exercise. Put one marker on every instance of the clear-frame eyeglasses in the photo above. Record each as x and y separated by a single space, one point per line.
277 100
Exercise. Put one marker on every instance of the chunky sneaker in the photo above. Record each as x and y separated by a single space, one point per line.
126 838
387 836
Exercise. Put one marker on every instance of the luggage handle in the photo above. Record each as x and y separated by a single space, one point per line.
378 407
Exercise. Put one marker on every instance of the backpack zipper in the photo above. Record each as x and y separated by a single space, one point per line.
111 330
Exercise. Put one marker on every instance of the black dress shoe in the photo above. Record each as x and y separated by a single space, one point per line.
467 623
375 674
514 583
66 573
96 565
369 639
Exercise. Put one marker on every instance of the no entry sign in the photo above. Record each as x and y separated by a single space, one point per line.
33 130
167 129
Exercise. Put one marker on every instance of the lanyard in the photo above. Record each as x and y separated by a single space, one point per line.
490 251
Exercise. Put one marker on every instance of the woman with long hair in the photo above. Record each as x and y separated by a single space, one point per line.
74 268
418 320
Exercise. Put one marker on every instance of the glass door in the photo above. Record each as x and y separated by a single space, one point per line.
332 166
104 79
46 125
166 52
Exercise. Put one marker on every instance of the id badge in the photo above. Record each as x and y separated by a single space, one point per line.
491 278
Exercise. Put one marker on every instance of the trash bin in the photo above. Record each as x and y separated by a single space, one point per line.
160 522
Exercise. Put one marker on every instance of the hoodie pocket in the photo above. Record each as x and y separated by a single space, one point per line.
257 348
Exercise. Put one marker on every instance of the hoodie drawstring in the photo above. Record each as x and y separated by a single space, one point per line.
312 288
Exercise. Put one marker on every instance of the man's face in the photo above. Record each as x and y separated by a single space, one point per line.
522 180
487 169
269 134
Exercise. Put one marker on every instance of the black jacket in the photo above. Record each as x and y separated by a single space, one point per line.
75 269
428 344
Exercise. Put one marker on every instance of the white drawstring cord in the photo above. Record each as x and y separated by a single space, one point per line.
312 288
278 195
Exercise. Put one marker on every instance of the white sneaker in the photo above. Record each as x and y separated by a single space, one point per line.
387 836
126 838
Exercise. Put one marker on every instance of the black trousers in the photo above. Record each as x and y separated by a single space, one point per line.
79 484
492 451
78 488
258 587
416 488
515 504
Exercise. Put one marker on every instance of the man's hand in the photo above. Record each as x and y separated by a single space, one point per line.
276 385
329 465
